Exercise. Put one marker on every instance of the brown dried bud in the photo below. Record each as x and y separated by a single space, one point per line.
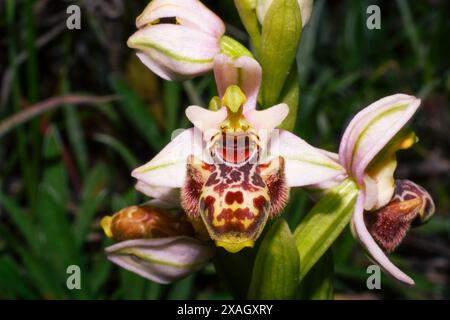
144 222
411 205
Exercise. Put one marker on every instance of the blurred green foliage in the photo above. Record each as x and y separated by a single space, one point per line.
63 171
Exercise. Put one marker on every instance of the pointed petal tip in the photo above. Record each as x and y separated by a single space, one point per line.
139 172
375 252
135 172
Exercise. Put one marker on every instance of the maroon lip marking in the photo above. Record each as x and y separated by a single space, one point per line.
226 177
212 180
207 205
233 221
235 176
261 204
232 197
257 180
224 170
239 214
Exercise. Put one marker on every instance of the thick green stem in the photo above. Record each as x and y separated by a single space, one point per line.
318 283
324 223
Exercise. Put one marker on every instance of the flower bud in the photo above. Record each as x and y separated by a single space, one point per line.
162 260
305 9
144 222
411 205
177 39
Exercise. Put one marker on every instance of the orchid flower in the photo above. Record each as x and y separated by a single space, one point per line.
233 170
367 152
154 244
177 39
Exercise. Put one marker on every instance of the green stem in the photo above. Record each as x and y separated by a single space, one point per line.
318 283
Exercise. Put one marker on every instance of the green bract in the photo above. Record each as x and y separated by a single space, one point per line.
281 32
275 273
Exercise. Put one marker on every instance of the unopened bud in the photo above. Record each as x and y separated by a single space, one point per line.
161 260
144 222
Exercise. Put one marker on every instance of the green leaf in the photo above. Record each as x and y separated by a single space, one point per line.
281 32
42 275
128 157
132 286
55 173
344 248
52 205
74 130
12 281
76 137
324 223
318 283
101 270
412 32
126 199
235 270
22 221
153 291
275 272
137 113
183 289
93 194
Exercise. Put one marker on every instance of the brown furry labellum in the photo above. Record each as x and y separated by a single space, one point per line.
144 222
234 200
411 205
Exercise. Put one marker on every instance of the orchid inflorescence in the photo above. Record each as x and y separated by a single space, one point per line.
219 182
